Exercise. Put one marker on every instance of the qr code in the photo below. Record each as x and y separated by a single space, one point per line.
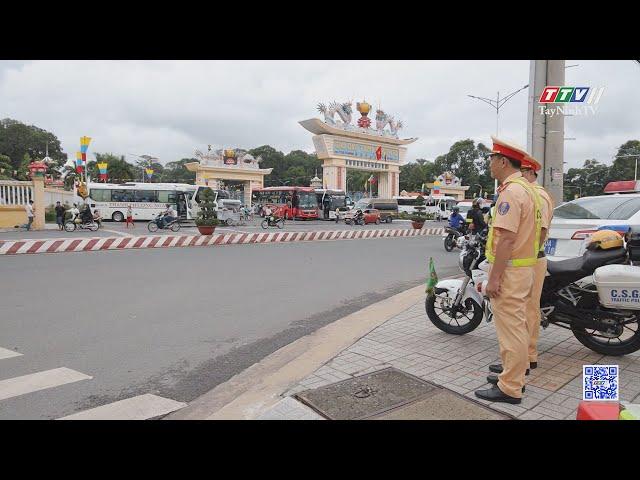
600 382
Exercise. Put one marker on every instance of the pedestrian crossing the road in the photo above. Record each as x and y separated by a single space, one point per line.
141 407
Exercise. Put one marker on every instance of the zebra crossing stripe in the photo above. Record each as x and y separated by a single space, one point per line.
4 353
34 382
141 407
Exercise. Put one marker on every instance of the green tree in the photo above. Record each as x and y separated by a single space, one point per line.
271 158
118 169
623 167
6 168
464 160
18 140
176 172
586 181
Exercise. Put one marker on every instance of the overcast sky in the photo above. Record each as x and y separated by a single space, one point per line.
169 108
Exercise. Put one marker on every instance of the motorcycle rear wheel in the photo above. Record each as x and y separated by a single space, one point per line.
448 324
93 227
175 227
614 346
280 223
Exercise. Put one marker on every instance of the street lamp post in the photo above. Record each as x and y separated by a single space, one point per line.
497 104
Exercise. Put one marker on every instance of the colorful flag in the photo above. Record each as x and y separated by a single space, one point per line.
432 279
102 167
149 172
379 153
79 165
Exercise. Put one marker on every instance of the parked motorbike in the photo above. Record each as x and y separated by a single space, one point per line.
451 240
78 223
596 296
158 223
273 221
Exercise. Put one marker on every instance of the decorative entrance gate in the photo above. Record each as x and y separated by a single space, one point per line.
342 145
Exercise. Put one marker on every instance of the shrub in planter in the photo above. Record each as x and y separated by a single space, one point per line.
207 220
420 215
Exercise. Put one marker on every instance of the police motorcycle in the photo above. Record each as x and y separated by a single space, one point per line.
596 296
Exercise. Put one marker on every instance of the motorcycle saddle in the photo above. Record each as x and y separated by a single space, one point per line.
587 263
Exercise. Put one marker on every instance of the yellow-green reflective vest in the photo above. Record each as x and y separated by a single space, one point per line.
528 261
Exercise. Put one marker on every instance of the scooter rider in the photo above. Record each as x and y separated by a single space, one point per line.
512 250
169 215
475 216
456 220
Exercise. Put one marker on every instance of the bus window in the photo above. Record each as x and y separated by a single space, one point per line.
100 195
145 196
121 196
166 196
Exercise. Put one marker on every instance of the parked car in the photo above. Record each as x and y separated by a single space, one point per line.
574 221
387 207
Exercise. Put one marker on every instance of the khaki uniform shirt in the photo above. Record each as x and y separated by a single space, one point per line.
515 212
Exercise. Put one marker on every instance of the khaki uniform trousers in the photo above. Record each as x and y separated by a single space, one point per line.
510 318
533 307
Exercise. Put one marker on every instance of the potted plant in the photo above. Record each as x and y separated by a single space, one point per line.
420 213
207 217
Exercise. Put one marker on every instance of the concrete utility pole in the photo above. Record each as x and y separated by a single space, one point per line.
545 134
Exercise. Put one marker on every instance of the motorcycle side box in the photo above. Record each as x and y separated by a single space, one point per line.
618 286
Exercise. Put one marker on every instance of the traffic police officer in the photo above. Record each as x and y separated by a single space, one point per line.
512 250
529 169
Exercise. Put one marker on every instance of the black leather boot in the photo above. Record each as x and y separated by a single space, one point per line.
494 394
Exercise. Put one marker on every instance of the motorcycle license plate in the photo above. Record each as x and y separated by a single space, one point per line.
550 246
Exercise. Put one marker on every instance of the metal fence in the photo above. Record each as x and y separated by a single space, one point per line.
15 193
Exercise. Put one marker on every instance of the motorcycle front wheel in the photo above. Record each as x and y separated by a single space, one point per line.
152 227
264 224
439 309
449 243
70 226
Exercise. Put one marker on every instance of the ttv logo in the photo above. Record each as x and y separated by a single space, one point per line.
571 95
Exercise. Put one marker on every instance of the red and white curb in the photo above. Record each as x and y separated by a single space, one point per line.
16 247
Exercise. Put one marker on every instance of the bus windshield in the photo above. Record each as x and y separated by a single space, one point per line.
307 200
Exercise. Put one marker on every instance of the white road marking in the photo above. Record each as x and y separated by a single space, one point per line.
4 353
14 387
122 234
141 407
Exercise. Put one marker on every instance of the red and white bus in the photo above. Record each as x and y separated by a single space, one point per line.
293 202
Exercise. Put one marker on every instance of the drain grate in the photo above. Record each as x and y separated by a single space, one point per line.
367 395
391 394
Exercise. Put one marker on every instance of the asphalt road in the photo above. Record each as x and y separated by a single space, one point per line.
177 322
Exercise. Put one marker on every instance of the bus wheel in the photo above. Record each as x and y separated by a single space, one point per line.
117 217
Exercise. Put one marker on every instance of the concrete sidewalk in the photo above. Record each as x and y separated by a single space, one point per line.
409 342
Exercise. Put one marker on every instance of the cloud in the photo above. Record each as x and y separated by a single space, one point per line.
169 108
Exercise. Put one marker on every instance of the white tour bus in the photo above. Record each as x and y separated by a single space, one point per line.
407 203
147 200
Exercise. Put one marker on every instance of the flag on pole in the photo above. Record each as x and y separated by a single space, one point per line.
149 172
379 153
102 167
432 279
79 165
